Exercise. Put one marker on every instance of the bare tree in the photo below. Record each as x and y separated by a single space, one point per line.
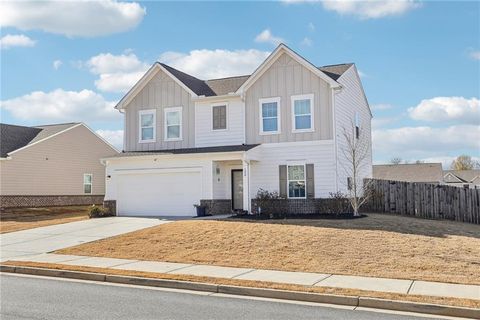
356 153
464 162
396 160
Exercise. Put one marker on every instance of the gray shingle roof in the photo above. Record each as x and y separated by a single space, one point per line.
464 175
415 172
13 137
222 86
241 147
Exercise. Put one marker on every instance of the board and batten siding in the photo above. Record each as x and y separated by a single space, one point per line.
265 172
159 93
233 135
287 77
348 101
56 165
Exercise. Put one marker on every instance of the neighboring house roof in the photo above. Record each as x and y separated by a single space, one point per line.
234 148
461 176
15 137
415 172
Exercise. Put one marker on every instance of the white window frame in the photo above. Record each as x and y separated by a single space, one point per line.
143 112
219 104
168 110
86 184
304 179
310 97
260 113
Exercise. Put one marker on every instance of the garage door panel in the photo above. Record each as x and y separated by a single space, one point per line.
158 194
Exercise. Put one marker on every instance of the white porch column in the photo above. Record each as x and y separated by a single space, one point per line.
246 184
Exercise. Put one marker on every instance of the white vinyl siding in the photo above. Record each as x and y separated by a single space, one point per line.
87 183
173 124
302 113
232 135
269 115
147 123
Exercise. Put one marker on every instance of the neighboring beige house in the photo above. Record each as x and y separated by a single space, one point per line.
51 165
218 142
412 172
462 178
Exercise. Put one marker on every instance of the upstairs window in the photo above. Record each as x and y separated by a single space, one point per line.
302 113
173 123
357 125
296 181
147 125
219 117
87 183
270 116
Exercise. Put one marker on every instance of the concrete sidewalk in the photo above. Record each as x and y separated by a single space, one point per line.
300 278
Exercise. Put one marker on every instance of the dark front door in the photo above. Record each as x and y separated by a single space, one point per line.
237 189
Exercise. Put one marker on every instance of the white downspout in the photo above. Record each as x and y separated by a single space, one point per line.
246 183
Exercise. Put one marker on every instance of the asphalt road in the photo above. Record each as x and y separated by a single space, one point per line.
42 298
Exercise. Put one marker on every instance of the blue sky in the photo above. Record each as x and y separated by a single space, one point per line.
419 61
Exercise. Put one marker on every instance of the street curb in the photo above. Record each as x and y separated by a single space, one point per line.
419 307
354 301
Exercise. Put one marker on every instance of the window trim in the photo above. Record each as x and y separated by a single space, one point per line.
143 112
304 165
219 104
168 110
86 184
294 98
279 117
356 119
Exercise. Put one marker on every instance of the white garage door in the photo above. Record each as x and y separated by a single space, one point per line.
158 194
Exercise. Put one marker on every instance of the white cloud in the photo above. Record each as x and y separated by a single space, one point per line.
210 64
311 26
72 18
114 137
57 64
266 36
381 106
307 42
425 142
366 9
61 106
453 109
16 40
475 55
117 73
362 74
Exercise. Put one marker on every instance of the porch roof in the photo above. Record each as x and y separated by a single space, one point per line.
215 149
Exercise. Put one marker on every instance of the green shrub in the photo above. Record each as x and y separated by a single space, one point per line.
98 212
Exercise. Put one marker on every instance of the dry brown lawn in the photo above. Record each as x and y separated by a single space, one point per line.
27 218
259 284
378 245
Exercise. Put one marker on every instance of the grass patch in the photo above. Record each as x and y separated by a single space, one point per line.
258 284
378 246
17 219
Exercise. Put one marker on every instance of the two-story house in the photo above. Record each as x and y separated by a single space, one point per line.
217 142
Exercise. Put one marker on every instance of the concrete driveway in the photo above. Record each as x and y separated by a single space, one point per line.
46 239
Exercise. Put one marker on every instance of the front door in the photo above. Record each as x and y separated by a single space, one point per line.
237 189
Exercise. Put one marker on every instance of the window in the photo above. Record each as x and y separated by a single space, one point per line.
349 183
296 181
173 123
87 183
219 117
147 125
302 113
269 116
357 125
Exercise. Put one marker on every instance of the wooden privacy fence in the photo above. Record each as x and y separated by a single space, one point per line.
425 200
